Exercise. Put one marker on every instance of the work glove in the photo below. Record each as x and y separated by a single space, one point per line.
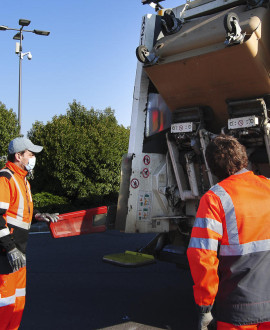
48 217
16 259
205 320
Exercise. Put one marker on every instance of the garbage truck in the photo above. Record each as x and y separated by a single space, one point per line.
203 69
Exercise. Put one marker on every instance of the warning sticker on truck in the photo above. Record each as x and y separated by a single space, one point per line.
243 122
144 205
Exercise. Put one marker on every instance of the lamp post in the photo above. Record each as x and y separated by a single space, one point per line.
19 36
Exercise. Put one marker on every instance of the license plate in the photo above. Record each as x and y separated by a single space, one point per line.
182 127
243 122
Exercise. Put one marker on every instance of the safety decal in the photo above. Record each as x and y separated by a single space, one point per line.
134 183
146 160
145 173
144 206
240 123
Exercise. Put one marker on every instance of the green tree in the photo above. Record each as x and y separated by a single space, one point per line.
9 129
82 153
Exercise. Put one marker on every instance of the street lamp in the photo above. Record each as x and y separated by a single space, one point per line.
18 50
153 3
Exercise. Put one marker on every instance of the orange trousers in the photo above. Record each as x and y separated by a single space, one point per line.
12 299
228 326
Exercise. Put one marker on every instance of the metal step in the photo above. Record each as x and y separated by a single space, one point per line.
129 259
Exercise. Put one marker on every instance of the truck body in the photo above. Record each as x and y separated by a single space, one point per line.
203 69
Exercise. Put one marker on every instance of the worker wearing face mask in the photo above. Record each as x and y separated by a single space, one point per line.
16 213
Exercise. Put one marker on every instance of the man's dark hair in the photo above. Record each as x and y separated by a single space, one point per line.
226 156
11 157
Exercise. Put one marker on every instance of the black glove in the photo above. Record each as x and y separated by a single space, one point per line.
204 320
16 259
47 217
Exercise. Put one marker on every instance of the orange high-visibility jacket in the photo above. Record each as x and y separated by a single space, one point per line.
229 250
16 211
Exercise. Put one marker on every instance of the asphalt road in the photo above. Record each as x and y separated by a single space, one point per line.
69 287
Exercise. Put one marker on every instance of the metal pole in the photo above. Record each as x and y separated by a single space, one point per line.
20 81
23 23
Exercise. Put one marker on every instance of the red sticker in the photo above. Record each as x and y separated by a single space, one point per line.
240 122
146 160
134 183
145 173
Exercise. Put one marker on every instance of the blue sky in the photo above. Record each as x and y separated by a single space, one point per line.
89 56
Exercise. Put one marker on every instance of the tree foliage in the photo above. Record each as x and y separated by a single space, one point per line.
82 153
9 129
46 202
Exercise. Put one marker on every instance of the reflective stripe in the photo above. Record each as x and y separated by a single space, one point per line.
212 224
229 210
7 171
20 292
246 248
11 300
203 243
235 248
7 301
21 201
18 223
29 190
4 205
4 232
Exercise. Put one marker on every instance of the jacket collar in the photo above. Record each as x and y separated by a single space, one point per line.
16 169
244 170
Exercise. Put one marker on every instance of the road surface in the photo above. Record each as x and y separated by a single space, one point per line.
69 287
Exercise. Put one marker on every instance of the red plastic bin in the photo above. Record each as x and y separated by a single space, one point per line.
80 222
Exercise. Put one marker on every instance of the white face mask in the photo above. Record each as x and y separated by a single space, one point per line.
31 164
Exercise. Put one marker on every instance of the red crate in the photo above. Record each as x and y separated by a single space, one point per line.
80 222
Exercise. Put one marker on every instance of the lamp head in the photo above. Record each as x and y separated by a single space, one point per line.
18 36
41 33
24 22
147 2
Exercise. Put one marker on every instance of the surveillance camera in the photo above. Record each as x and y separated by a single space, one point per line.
29 56
17 48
